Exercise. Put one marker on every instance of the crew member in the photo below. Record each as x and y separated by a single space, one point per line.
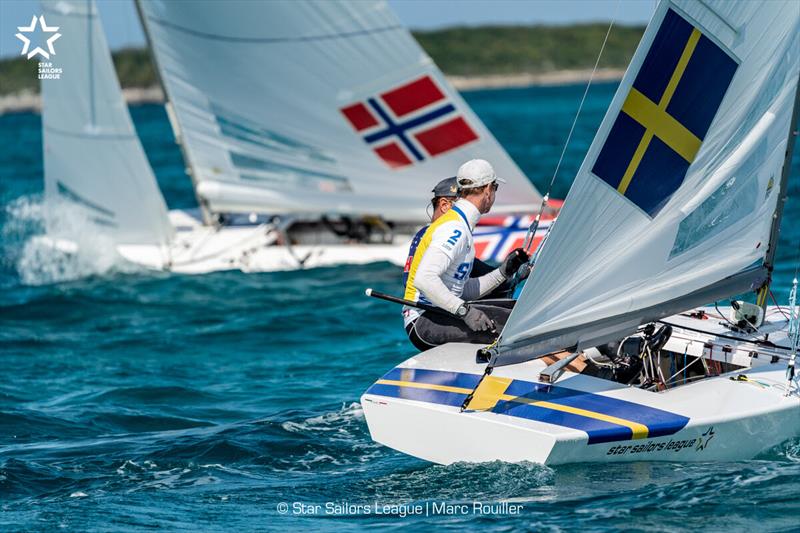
438 270
445 194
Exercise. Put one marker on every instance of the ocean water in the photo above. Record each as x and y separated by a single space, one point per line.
134 400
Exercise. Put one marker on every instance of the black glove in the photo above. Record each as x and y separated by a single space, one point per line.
477 320
515 259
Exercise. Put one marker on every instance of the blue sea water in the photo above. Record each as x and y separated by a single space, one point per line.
136 400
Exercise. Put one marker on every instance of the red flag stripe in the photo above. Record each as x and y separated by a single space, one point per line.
446 136
480 248
516 243
492 221
359 116
412 96
393 155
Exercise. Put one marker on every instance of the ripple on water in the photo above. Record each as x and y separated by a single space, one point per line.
137 400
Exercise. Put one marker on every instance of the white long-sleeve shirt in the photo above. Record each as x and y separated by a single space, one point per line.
438 269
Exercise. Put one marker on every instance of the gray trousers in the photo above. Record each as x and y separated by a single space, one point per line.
433 329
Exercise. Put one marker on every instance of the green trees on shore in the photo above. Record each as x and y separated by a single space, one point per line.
461 51
528 49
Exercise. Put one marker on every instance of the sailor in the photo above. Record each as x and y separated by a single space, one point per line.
445 194
438 270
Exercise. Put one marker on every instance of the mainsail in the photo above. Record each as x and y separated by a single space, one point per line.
93 159
673 204
314 107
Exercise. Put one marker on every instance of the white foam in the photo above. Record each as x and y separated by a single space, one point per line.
332 421
57 245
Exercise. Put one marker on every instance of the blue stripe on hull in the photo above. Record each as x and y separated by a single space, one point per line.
658 421
433 377
421 395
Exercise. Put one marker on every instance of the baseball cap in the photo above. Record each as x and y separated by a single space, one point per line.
447 188
476 173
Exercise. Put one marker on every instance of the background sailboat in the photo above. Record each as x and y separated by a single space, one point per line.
289 114
93 159
314 107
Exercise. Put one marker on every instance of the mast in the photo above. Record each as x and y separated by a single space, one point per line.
173 119
774 234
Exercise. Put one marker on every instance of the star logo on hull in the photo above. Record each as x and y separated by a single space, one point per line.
704 439
27 42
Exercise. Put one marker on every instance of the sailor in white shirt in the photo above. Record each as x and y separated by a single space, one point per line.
438 273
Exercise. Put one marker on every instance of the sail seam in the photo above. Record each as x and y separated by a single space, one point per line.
74 14
109 136
271 40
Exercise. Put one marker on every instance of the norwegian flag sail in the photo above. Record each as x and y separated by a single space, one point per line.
310 107
410 123
496 236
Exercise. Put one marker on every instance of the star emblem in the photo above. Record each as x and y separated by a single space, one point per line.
703 440
27 42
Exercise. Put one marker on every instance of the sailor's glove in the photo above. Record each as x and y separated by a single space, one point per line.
474 318
515 259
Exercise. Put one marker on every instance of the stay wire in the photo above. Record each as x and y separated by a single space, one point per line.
546 198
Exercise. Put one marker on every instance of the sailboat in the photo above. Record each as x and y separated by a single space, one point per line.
677 204
313 133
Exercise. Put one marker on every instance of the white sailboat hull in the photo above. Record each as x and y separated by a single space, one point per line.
258 247
415 409
199 249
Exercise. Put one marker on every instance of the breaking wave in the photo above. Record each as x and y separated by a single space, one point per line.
35 245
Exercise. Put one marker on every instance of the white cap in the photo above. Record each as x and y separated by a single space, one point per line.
476 173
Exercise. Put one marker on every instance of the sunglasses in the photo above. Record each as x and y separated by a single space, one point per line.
495 185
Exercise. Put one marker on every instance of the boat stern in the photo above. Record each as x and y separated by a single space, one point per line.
415 408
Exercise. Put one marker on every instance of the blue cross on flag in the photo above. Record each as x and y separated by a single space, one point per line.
666 115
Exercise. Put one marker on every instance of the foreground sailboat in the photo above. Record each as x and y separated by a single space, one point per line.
677 204
313 133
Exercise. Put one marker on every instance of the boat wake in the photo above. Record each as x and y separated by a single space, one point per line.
337 422
32 245
336 438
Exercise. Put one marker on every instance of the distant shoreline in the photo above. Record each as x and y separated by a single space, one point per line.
556 77
29 101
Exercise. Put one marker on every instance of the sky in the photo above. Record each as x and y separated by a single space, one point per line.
122 26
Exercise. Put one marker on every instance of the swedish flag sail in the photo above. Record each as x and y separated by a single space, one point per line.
666 115
673 203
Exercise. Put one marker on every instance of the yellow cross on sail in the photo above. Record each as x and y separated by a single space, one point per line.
666 114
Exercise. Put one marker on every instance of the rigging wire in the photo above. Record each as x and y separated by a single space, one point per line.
580 106
777 305
546 198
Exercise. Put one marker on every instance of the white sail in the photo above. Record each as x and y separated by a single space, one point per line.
316 107
673 204
93 160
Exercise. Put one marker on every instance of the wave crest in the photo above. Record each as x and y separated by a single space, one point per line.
55 244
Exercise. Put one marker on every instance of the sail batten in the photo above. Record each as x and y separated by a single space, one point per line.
328 104
678 189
